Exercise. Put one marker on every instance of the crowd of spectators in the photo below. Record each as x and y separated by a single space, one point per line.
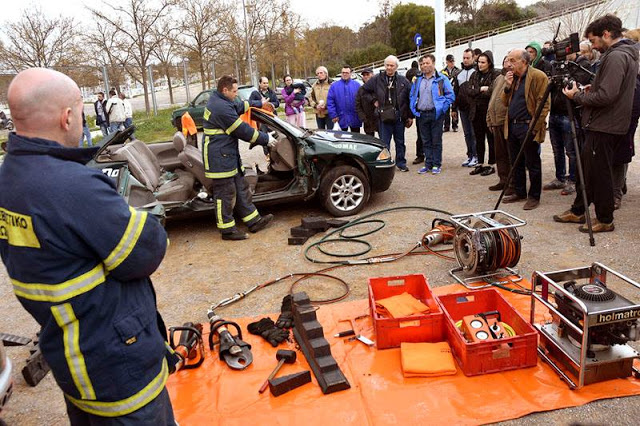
496 104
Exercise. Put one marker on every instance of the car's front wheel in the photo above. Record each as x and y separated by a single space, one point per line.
345 190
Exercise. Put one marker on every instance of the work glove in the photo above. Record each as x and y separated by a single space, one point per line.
285 320
272 140
269 332
172 360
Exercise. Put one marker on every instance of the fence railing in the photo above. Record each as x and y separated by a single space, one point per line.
488 33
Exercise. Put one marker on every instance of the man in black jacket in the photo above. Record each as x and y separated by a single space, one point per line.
102 118
450 71
391 91
462 105
607 106
264 95
364 106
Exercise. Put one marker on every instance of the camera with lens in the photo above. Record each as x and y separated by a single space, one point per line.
565 47
566 73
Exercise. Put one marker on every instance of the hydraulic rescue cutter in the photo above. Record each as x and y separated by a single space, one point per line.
233 350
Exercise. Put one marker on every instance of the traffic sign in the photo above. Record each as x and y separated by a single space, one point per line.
417 39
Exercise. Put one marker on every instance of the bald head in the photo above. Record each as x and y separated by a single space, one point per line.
46 104
518 61
390 65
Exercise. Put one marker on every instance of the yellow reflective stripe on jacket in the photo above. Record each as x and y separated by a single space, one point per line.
128 240
221 175
128 405
205 152
220 222
233 126
246 106
213 131
56 293
67 321
250 216
206 114
254 137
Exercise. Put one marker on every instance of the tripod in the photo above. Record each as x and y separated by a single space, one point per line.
529 139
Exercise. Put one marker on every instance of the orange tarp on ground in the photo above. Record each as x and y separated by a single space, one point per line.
216 395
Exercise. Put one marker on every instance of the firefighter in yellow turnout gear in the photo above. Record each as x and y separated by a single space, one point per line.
221 157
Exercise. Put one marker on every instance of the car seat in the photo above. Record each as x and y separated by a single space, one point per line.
145 168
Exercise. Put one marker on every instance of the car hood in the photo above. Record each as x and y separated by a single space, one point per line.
335 136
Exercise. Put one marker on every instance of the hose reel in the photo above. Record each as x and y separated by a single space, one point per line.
486 245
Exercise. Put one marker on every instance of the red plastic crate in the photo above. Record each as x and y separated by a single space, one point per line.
390 332
493 356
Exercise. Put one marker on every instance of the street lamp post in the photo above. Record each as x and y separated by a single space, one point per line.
246 36
185 61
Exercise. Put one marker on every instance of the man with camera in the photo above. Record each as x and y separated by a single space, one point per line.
606 116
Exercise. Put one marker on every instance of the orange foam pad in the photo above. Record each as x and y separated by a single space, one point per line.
427 359
216 395
402 305
188 125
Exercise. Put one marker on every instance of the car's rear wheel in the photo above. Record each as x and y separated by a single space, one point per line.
345 190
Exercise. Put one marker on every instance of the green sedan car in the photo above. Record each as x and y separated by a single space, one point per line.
339 169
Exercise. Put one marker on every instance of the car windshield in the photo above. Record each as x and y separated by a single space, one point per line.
245 92
202 99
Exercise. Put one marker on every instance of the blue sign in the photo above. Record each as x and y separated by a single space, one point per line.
417 39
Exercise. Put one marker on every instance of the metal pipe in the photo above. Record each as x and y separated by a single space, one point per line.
246 36
440 33
105 75
186 79
153 90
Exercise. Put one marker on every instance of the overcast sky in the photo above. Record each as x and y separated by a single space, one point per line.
350 13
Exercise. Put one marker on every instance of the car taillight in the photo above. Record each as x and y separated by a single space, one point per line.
384 155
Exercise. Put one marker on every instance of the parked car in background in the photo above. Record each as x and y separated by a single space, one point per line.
197 105
354 76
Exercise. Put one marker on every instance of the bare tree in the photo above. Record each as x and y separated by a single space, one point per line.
275 30
203 31
134 21
164 37
35 40
578 21
108 48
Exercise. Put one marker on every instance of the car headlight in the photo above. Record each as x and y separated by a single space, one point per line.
384 155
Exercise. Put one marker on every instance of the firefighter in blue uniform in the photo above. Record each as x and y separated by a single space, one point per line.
79 259
222 130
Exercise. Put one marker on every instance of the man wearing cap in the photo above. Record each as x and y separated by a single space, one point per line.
450 71
365 106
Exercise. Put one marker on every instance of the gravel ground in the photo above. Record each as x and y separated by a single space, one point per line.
200 268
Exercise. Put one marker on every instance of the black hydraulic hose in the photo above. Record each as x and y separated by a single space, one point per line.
352 238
